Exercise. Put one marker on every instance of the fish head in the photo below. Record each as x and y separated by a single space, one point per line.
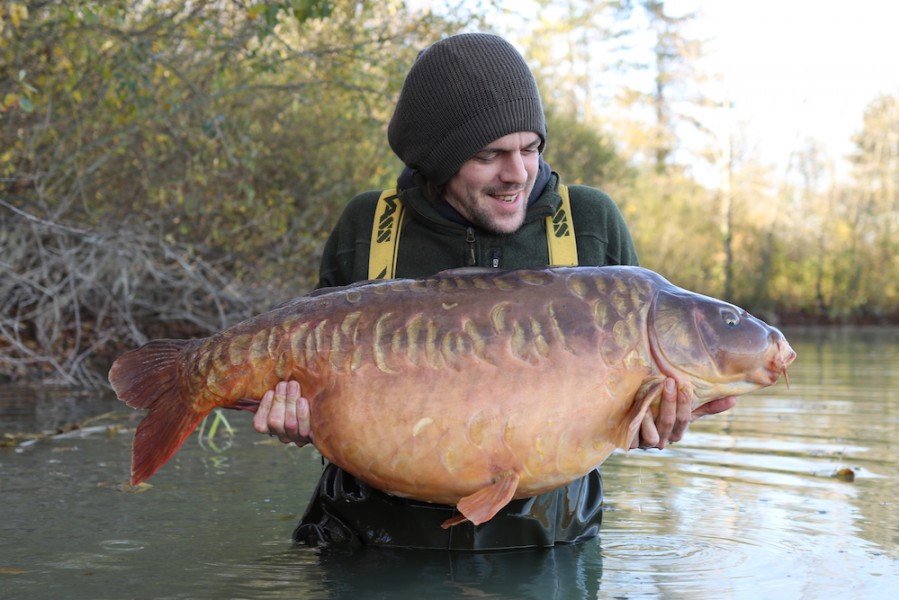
714 347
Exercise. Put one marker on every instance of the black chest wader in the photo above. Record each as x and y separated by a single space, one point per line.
346 511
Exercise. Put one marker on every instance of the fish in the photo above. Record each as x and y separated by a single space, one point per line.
468 388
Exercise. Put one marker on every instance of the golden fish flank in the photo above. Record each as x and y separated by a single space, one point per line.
498 316
557 328
478 343
579 287
473 423
337 347
297 338
431 347
482 283
420 425
571 454
478 423
259 347
320 333
380 343
603 315
217 379
447 348
540 447
353 296
239 349
414 342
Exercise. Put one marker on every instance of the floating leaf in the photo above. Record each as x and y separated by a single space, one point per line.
845 474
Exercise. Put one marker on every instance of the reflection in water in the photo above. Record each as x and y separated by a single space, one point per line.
562 572
40 409
746 505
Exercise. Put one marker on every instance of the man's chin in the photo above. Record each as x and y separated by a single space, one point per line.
505 226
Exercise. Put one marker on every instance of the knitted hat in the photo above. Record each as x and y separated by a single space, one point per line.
462 93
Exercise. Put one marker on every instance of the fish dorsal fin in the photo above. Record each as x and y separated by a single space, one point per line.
486 502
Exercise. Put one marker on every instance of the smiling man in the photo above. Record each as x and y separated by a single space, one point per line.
491 188
469 126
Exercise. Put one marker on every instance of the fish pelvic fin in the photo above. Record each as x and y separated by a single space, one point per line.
649 392
482 505
148 378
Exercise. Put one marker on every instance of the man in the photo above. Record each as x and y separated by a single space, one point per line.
470 127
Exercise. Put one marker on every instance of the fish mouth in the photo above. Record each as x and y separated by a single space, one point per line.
784 357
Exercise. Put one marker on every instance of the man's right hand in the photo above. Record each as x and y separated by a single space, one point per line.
284 412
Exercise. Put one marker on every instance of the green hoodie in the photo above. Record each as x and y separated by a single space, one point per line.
343 509
431 243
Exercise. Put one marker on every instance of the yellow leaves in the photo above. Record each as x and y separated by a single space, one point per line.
254 11
112 99
15 13
11 101
159 73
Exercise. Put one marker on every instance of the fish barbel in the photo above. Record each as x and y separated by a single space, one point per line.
469 388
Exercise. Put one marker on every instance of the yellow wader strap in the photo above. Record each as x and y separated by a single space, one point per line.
388 224
385 236
560 234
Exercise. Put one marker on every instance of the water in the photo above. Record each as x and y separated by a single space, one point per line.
747 506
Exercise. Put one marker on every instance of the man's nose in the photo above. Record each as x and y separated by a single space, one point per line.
514 169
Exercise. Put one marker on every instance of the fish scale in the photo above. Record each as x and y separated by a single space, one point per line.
466 388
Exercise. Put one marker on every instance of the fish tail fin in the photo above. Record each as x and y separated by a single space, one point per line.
148 378
648 393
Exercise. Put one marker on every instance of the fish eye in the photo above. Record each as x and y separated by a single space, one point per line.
730 318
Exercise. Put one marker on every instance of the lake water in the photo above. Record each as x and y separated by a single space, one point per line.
747 506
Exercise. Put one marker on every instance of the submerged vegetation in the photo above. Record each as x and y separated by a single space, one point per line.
169 168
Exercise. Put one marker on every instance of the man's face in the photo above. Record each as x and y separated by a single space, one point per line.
491 188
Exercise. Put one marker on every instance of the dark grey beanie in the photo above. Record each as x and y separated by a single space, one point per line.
462 93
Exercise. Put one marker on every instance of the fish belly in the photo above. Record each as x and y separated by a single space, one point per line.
441 434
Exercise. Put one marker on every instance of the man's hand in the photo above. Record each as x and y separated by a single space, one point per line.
283 412
674 416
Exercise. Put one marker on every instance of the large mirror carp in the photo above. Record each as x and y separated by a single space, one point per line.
469 388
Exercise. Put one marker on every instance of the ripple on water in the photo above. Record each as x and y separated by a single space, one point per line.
700 565
122 545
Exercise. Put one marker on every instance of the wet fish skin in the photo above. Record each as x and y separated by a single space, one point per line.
467 388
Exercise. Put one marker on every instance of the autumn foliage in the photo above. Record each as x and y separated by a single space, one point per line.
168 168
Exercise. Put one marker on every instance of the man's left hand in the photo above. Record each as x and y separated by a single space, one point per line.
674 416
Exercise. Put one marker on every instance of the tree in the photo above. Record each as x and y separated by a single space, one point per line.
874 212
167 168
572 49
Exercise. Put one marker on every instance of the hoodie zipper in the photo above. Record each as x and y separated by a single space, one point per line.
470 240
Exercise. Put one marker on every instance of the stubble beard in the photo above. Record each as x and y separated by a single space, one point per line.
482 217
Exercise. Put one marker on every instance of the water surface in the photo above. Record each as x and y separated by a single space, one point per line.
747 506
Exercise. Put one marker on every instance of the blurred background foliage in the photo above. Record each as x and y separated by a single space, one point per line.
171 167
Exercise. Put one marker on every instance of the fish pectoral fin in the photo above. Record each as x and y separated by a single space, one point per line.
649 392
247 404
481 506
